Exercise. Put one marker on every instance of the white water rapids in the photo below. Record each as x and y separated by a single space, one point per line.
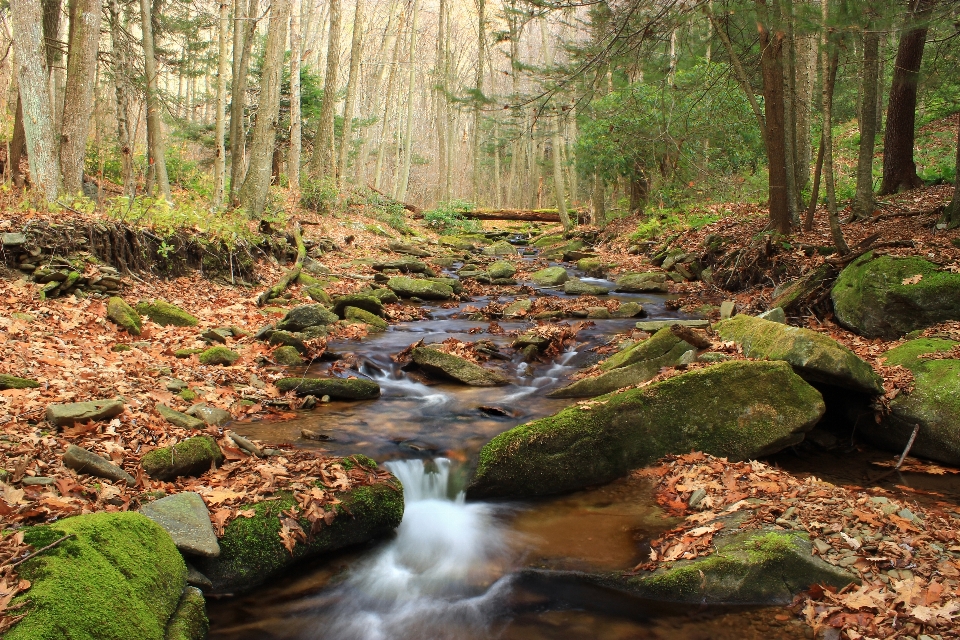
441 577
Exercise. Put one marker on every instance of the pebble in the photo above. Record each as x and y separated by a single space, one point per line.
37 480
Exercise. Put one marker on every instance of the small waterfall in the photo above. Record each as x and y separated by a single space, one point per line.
394 383
441 577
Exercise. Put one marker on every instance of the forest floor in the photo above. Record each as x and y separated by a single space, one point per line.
76 354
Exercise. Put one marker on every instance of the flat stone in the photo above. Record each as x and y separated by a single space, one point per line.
628 310
335 388
179 419
517 308
65 415
774 315
501 269
578 287
459 369
186 518
38 481
727 309
651 326
14 239
83 461
210 415
550 277
651 282
175 385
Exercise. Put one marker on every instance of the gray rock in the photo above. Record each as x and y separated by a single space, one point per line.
83 461
517 307
652 282
628 310
64 415
38 481
578 287
598 313
174 385
455 367
14 240
197 579
655 325
210 415
287 356
501 248
186 518
424 289
403 266
727 309
179 419
550 277
501 269
774 315
191 457
285 338
368 302
308 315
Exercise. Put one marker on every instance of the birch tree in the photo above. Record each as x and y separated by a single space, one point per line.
296 122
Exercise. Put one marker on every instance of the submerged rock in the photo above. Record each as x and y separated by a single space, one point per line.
886 297
190 457
455 367
336 388
651 282
186 518
738 410
166 314
550 277
815 356
425 289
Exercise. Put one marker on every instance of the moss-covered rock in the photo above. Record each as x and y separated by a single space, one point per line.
375 323
251 551
288 339
186 353
425 289
577 287
500 248
501 269
629 310
336 388
120 577
550 277
189 621
318 294
633 365
548 240
179 419
738 410
219 356
13 382
456 242
123 315
815 356
386 296
453 283
517 308
455 368
882 297
166 314
287 356
934 404
368 302
308 315
651 282
190 457
593 267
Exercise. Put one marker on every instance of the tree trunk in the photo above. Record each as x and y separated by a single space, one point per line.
157 151
739 73
321 163
296 118
121 76
18 146
441 114
771 44
899 169
829 64
356 48
952 214
598 206
863 203
478 97
220 163
831 78
790 111
256 185
411 82
387 105
244 26
388 45
806 53
32 75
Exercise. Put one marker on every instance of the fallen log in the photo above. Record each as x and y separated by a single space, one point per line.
531 215
289 276
412 208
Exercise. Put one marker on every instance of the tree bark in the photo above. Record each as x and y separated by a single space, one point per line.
296 117
244 26
349 103
35 104
790 111
771 44
899 169
387 105
829 65
321 162
220 163
121 76
863 203
598 205
806 60
256 185
154 125
408 132
478 97
952 214
18 146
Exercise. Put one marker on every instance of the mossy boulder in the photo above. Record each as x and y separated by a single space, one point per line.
456 368
562 250
251 551
189 621
651 282
190 457
219 356
629 310
385 296
578 287
456 242
424 289
886 297
501 269
288 339
934 404
500 248
318 294
304 316
815 356
366 301
123 315
550 277
13 382
166 314
375 323
517 308
120 577
548 240
287 356
186 353
633 365
738 410
336 388
593 267
179 419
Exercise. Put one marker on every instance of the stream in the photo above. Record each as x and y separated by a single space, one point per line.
455 569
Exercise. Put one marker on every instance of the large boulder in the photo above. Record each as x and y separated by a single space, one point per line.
886 297
123 315
65 415
550 277
738 410
577 287
166 314
815 356
336 388
934 403
454 367
118 577
367 301
633 365
186 518
308 315
425 289
190 457
375 323
501 269
500 248
652 282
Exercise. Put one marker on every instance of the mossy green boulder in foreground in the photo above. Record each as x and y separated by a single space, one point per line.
120 577
739 410
815 356
164 314
934 404
251 551
635 364
886 297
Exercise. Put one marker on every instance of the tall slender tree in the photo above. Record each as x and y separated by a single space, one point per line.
829 57
411 83
121 79
478 97
353 78
83 46
863 202
771 60
244 27
952 214
296 117
220 164
154 123
321 162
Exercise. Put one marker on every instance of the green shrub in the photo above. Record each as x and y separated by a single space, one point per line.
448 216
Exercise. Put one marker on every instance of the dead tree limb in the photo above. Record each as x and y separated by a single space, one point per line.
412 208
289 276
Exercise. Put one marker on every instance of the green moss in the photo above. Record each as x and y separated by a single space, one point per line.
119 578
119 348
358 459
164 314
659 344
188 395
908 354
13 382
192 456
359 315
189 621
548 240
219 356
186 353
123 315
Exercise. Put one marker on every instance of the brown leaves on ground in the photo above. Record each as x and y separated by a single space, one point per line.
906 555
12 549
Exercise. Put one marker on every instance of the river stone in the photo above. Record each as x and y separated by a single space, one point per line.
179 419
934 404
218 356
815 356
336 388
550 277
186 518
285 338
636 364
385 296
501 269
409 249
13 382
739 410
424 289
437 362
318 294
577 287
598 313
189 621
83 461
65 415
500 248
287 356
213 416
308 315
517 308
165 314
651 326
119 577
593 267
404 266
123 315
651 282
876 297
628 310
13 239
453 283
191 457
375 323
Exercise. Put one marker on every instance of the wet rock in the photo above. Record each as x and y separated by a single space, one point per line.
179 419
13 240
83 461
457 368
655 325
287 339
375 323
219 356
65 415
308 315
517 308
403 266
165 314
213 416
632 282
189 621
287 356
386 296
191 457
500 248
629 310
501 269
408 249
186 518
815 356
550 277
578 287
598 313
318 294
123 315
593 267
425 289
336 388
13 382
533 339
453 283
886 297
739 410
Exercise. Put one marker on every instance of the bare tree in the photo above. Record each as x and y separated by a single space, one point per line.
78 95
121 74
408 134
356 50
296 118
771 45
829 64
154 125
321 162
220 165
863 202
244 26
